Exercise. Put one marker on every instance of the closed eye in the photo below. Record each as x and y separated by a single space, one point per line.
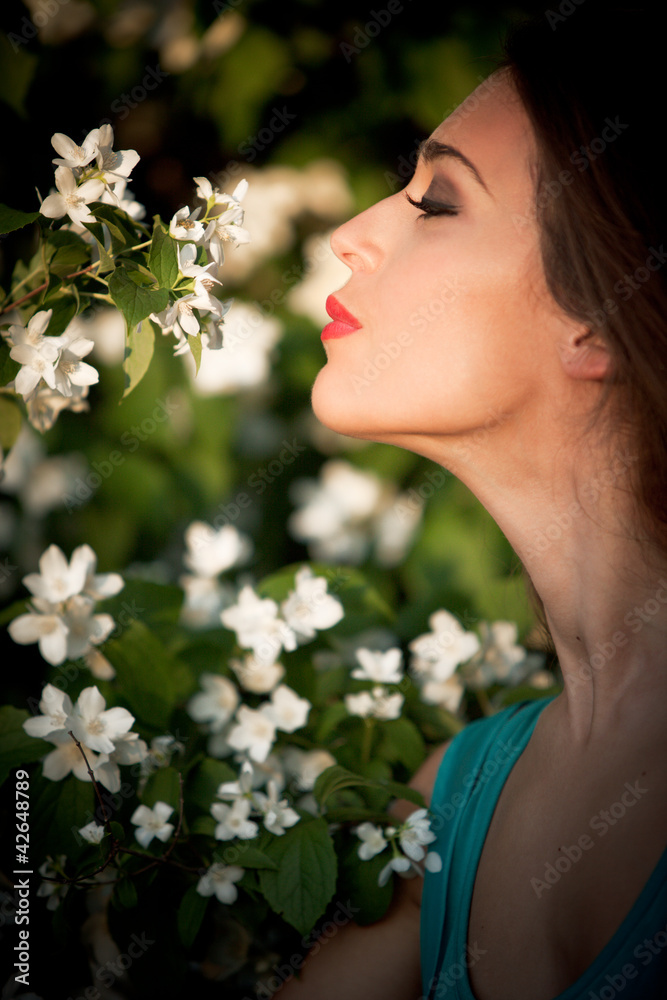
429 207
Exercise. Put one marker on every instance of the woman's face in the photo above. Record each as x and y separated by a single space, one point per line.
456 330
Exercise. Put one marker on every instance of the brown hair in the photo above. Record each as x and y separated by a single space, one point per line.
591 83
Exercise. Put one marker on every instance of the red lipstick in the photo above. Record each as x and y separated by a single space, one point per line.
342 323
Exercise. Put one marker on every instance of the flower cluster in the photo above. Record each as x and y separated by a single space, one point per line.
348 512
408 842
80 181
104 732
496 659
52 376
381 669
221 223
62 619
210 552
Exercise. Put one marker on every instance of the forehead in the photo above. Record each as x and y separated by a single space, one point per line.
492 130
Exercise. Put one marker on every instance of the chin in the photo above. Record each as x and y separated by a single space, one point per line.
342 411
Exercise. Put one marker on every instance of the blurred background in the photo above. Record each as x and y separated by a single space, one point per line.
320 106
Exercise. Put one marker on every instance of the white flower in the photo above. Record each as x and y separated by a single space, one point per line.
92 832
33 333
377 703
236 789
257 626
95 725
46 404
220 879
415 833
253 732
56 707
433 862
360 704
233 820
128 749
179 316
84 629
373 841
38 361
216 703
123 199
309 607
500 660
445 646
70 199
403 866
67 758
258 676
445 694
97 585
70 370
277 814
204 281
336 513
118 164
383 668
98 665
286 710
152 822
307 765
44 626
71 155
54 891
57 579
243 360
211 552
184 225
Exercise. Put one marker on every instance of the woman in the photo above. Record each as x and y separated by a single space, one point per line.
542 204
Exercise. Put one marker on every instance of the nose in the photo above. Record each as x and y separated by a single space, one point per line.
362 242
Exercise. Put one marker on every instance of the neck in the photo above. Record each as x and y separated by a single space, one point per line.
566 513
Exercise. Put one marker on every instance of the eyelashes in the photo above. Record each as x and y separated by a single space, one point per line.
430 208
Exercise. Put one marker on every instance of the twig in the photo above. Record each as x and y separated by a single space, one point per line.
41 288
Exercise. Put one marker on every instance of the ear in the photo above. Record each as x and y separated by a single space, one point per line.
585 355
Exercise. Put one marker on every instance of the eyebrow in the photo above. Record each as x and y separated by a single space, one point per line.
431 149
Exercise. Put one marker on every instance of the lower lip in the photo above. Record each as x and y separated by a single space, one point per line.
336 329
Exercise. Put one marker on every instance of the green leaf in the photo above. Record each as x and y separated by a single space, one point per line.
305 880
163 259
136 302
138 354
117 223
107 262
58 810
71 253
125 894
163 786
205 780
251 857
334 779
195 347
11 417
16 747
156 603
359 883
402 742
12 219
64 310
148 676
190 915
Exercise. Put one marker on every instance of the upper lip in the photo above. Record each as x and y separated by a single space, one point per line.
340 313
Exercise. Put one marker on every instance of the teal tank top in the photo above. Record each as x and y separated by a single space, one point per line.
633 964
